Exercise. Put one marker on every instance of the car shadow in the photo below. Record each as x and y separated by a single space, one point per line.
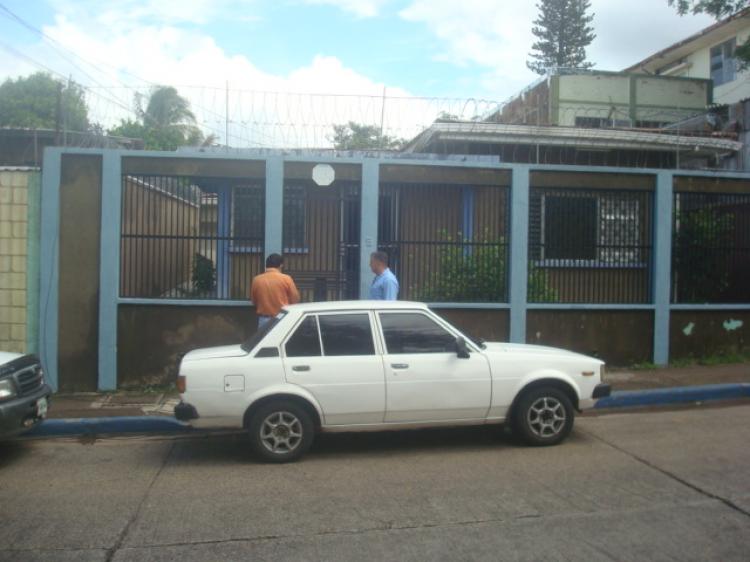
235 447
11 452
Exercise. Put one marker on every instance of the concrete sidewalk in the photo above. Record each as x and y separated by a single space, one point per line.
126 403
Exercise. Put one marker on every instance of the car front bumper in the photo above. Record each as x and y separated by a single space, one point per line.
20 414
601 390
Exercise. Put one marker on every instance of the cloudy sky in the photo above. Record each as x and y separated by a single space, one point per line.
426 48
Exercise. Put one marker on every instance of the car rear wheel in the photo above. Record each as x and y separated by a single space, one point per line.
543 416
281 432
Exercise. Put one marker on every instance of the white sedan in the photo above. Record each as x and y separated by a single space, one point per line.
374 365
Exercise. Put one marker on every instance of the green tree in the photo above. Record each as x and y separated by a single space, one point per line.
164 121
32 102
563 32
718 9
356 136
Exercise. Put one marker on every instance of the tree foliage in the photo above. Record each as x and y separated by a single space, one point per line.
164 121
563 32
32 102
716 8
357 136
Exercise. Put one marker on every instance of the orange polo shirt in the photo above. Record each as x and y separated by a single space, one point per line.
271 291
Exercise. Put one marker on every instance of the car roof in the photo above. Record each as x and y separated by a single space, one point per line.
333 306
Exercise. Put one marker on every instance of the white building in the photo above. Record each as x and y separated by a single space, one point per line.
707 54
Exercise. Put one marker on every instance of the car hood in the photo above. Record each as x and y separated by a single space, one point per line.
527 349
7 357
215 352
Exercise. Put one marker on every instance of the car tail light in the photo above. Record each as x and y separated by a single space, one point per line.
181 384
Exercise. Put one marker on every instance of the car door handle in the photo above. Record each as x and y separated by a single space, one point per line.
399 366
301 368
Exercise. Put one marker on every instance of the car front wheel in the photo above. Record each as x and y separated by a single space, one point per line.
281 432
543 416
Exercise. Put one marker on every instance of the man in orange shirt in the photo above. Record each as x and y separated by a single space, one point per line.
272 290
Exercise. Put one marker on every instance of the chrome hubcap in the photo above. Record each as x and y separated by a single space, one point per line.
546 417
281 432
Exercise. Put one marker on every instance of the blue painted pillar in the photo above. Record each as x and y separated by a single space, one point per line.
274 204
662 265
224 231
519 252
49 270
109 268
369 222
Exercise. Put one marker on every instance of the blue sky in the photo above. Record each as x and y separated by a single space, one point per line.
427 48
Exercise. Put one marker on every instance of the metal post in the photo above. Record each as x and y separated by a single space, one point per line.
519 252
662 265
274 204
109 264
369 222
32 263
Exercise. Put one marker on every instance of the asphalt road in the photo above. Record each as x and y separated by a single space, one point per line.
646 486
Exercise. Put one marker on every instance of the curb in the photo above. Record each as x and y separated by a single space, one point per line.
166 424
117 424
674 395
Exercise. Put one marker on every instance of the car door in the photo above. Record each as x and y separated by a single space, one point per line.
425 379
334 357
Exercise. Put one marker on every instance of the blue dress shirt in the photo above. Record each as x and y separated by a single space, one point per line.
384 287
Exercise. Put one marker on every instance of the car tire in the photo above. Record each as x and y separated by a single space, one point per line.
281 431
543 416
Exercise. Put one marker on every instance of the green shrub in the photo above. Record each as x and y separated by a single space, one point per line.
204 274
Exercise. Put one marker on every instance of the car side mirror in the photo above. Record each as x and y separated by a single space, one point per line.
462 350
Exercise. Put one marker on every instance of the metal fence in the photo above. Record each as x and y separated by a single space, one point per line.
590 245
711 248
446 242
321 231
190 237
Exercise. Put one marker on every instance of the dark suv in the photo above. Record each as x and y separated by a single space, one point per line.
24 396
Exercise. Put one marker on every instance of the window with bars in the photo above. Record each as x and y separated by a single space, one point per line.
248 217
295 218
589 245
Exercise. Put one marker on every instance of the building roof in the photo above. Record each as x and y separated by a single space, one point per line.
498 133
704 38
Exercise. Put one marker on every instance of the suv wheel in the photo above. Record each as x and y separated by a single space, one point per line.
543 416
281 431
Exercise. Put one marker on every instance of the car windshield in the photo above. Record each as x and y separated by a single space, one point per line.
256 338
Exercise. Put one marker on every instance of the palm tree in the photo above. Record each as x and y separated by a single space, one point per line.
167 120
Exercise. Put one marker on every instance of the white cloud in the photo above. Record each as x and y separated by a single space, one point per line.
264 108
496 36
360 8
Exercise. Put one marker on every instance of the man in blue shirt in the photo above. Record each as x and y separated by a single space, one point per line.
385 285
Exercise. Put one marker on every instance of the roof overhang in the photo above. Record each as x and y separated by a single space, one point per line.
585 139
707 37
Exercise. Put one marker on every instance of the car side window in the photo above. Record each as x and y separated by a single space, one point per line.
346 334
304 341
415 333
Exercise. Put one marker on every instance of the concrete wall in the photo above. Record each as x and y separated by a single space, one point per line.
695 334
151 339
625 96
619 337
15 184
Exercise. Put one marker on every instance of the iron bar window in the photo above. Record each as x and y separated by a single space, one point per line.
589 245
